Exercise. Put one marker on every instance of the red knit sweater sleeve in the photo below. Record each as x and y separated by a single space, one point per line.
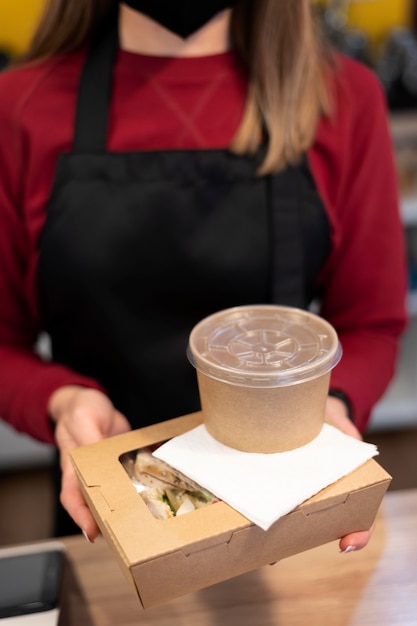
364 282
26 381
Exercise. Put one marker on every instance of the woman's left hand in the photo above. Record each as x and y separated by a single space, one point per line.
336 414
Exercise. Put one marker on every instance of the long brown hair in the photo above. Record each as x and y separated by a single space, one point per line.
279 45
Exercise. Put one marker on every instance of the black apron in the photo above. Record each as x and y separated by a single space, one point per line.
138 247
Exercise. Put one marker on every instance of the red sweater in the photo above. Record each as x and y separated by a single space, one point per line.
197 103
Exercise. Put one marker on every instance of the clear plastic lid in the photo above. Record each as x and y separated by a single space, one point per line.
263 346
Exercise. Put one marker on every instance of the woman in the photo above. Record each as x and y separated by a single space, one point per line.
157 165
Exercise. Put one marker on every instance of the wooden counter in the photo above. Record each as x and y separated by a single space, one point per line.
376 586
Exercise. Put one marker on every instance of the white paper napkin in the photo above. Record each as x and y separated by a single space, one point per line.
264 487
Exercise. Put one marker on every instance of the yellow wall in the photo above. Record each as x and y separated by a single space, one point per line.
377 17
17 21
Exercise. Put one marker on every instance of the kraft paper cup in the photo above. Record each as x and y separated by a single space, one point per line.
263 374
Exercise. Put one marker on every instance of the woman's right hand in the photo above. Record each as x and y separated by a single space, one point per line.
82 416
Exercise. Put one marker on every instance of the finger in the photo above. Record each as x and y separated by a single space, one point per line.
81 428
336 416
91 427
345 425
73 501
356 541
350 429
120 424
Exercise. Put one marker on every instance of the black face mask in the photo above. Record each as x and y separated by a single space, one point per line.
182 18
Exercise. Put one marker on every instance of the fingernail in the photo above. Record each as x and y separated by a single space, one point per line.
348 549
87 537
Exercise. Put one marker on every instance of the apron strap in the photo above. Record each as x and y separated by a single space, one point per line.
287 281
92 113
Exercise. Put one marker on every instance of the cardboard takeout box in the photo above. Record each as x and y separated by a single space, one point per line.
164 559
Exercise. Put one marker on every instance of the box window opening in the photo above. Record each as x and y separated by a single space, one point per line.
167 492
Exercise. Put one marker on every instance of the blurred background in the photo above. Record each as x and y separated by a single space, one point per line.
383 35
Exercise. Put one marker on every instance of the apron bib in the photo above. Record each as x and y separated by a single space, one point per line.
139 247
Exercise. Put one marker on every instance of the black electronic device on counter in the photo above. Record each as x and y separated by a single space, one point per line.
31 583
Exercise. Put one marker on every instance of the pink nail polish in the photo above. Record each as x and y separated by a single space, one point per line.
348 549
